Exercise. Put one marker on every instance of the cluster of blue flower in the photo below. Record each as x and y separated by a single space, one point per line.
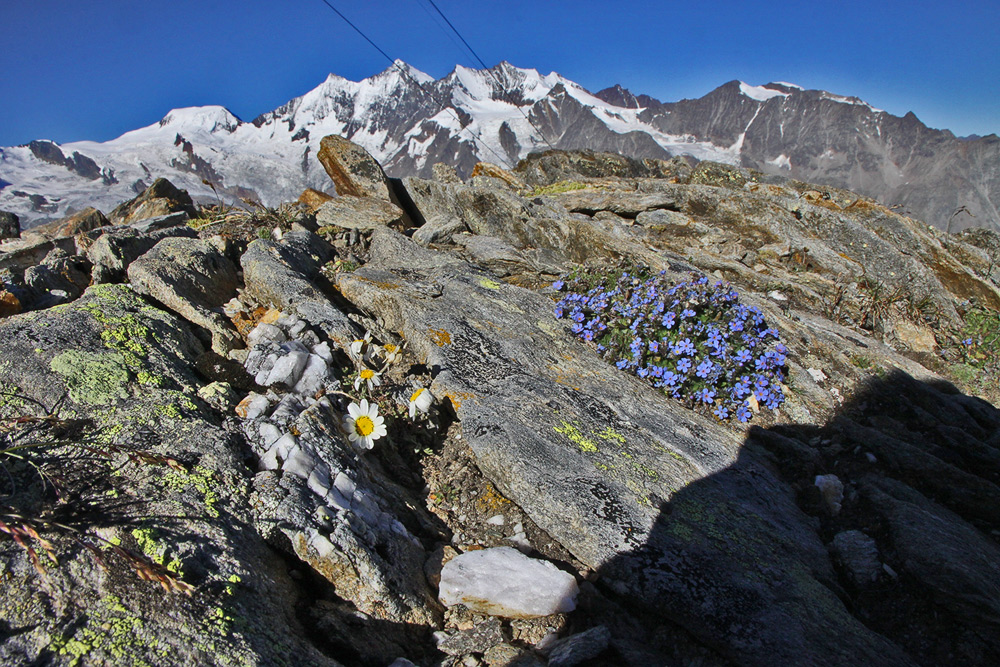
694 340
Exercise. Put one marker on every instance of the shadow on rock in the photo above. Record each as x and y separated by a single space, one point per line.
870 539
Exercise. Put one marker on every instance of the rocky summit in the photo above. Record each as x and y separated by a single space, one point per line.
592 410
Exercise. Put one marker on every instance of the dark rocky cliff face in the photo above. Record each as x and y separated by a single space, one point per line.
845 143
199 409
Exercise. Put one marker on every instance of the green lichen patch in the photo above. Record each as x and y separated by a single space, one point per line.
124 331
610 434
576 437
98 379
11 402
201 480
489 284
149 379
157 551
110 630
556 188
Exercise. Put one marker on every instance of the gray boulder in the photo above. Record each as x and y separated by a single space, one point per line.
113 252
58 279
80 222
159 199
10 225
279 274
364 213
438 229
858 554
22 254
193 279
352 169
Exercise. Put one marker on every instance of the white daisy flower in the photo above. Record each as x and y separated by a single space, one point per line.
363 424
361 348
391 352
368 376
420 400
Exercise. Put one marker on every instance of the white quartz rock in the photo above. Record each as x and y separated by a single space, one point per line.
287 369
288 409
324 352
266 333
313 376
832 491
301 463
253 406
504 582
269 434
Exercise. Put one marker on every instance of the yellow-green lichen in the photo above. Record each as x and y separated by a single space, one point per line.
610 434
149 379
110 628
98 379
125 333
11 401
576 437
489 284
175 409
557 188
170 410
646 470
145 538
201 479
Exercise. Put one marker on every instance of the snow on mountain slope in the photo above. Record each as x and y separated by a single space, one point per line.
484 117
760 93
409 121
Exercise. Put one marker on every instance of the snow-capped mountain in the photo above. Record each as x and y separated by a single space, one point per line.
409 121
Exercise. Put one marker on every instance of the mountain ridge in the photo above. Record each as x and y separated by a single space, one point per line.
501 115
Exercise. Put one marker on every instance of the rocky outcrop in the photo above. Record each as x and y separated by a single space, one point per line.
119 246
126 371
350 212
524 394
192 278
57 279
10 225
854 524
313 199
353 171
159 199
86 220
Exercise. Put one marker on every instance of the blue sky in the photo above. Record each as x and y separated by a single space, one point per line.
73 70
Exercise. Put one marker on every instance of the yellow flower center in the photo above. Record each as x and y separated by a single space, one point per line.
367 374
390 348
416 393
363 425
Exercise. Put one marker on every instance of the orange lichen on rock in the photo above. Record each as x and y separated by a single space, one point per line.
9 304
246 321
313 199
440 337
493 171
859 205
456 398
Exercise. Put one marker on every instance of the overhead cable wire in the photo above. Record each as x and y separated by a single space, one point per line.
503 89
444 106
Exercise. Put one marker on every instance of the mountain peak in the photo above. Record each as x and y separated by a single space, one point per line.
400 68
211 118
619 96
